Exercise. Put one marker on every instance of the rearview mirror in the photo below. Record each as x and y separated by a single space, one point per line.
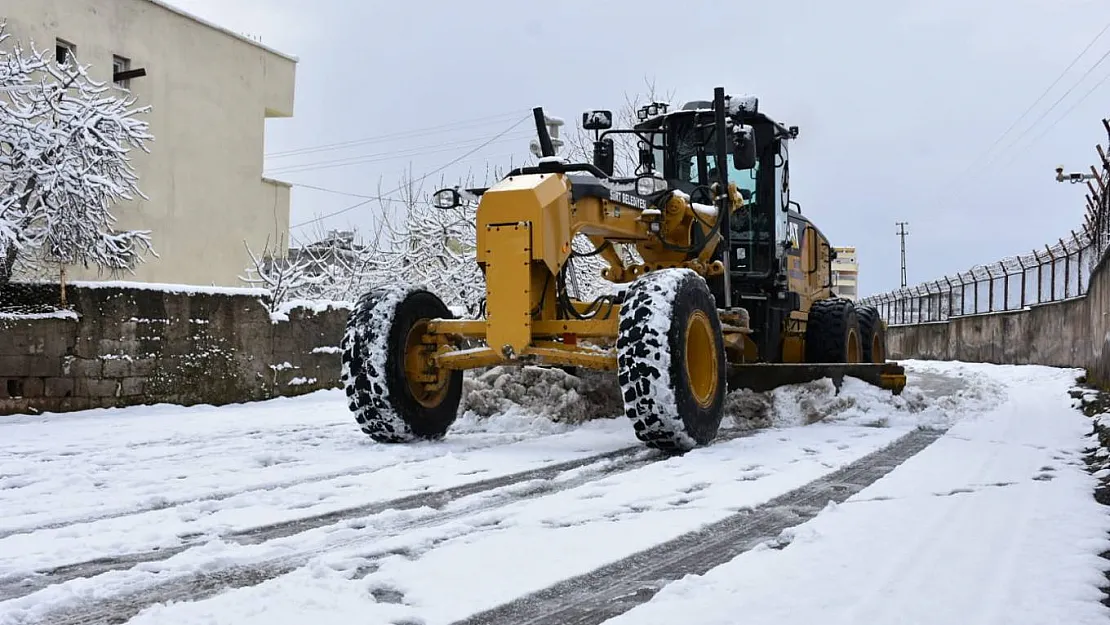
447 198
597 120
743 148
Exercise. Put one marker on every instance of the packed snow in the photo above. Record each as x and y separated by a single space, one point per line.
997 517
993 523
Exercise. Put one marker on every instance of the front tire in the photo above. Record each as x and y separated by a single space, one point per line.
671 360
381 346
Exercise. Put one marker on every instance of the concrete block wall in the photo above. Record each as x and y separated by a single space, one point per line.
1073 333
129 346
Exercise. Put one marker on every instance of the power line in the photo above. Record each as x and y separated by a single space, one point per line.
337 192
469 123
382 156
382 198
422 178
1047 90
1066 113
1054 105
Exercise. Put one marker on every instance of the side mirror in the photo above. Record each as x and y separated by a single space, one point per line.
743 148
597 120
604 156
447 199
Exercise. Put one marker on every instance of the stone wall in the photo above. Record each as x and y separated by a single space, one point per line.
1070 333
126 346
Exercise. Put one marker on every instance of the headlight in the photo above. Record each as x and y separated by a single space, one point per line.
650 185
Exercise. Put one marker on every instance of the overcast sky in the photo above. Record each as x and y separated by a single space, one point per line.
898 102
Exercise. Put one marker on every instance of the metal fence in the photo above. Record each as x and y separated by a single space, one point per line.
1059 272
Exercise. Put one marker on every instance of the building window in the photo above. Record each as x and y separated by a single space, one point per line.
121 64
64 52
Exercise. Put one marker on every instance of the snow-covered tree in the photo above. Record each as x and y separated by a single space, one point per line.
434 247
64 162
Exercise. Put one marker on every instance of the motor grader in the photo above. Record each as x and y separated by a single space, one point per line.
729 286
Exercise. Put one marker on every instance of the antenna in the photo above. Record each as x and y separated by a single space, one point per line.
902 233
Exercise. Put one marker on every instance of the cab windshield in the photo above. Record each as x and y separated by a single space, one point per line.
752 231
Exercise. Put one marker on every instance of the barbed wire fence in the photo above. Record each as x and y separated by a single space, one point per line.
1059 272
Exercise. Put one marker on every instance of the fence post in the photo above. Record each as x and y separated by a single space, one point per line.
951 303
1040 276
1067 269
1005 285
963 294
1079 265
1052 277
975 281
1021 263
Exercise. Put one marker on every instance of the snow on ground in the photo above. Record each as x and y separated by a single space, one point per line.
993 523
435 566
104 483
110 481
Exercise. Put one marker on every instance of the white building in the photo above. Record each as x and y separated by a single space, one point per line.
845 273
211 92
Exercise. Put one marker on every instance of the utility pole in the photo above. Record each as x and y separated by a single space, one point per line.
902 233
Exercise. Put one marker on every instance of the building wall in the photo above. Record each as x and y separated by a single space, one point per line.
211 93
846 273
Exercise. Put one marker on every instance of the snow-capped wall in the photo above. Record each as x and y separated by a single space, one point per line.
1068 333
124 346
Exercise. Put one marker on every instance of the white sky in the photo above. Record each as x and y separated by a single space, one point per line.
898 101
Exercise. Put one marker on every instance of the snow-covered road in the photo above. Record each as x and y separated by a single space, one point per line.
282 511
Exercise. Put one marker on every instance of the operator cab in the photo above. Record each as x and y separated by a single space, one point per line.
682 151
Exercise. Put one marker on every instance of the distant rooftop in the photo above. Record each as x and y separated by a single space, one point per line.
239 36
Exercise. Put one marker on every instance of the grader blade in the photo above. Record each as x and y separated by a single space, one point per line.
761 377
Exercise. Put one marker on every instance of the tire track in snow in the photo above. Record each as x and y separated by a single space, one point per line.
11 589
529 485
258 488
611 590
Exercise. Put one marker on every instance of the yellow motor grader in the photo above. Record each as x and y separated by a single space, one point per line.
730 287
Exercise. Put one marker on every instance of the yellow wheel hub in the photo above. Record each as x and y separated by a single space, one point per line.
853 346
701 359
427 383
878 350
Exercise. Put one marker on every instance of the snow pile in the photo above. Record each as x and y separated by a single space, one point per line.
547 392
857 403
558 396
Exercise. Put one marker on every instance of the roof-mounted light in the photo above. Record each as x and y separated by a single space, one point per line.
651 110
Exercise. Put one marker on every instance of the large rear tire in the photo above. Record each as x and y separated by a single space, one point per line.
872 332
833 332
671 360
382 344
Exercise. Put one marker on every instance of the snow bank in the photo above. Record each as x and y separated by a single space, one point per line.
550 393
558 396
860 403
